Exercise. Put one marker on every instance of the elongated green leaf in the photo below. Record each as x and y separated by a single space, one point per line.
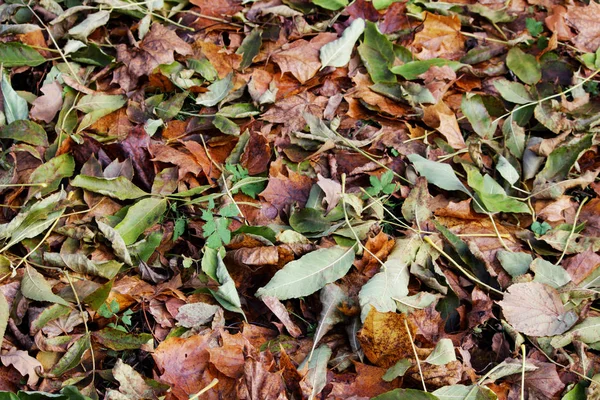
250 47
316 376
89 25
411 70
97 106
239 110
462 392
226 125
561 160
377 54
473 108
439 174
116 339
216 92
15 54
332 5
72 357
507 171
525 66
309 273
396 370
513 91
35 287
514 137
331 297
26 132
309 220
15 107
4 315
338 52
116 241
392 281
227 294
119 188
442 354
141 216
51 173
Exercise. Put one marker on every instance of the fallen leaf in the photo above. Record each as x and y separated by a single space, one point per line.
24 363
536 309
45 107
286 187
440 38
301 57
583 19
282 313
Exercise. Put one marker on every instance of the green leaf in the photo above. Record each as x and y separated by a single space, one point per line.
226 125
561 160
332 297
97 106
216 92
514 137
377 54
116 241
474 109
494 16
540 229
550 274
169 109
119 188
250 47
439 174
316 376
411 70
89 25
239 110
98 297
492 195
72 357
141 216
514 92
462 392
338 52
35 287
332 5
588 331
382 4
52 173
92 54
309 220
26 132
204 68
4 315
525 66
116 339
391 283
534 27
309 273
15 107
15 54
405 394
396 370
515 263
227 294
507 171
442 354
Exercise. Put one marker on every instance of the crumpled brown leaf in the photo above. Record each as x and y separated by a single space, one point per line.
301 57
585 21
23 362
45 107
440 37
157 47
286 187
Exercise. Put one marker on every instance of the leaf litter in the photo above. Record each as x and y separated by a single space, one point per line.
285 200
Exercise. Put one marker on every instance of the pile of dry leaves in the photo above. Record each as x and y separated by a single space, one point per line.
299 199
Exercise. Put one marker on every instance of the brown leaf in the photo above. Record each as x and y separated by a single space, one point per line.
591 214
286 187
184 365
301 58
440 37
157 47
229 358
257 154
585 21
582 265
382 103
22 362
259 383
379 248
45 107
384 338
557 24
436 376
332 189
135 146
223 61
211 9
289 110
440 117
428 325
536 309
282 313
167 154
